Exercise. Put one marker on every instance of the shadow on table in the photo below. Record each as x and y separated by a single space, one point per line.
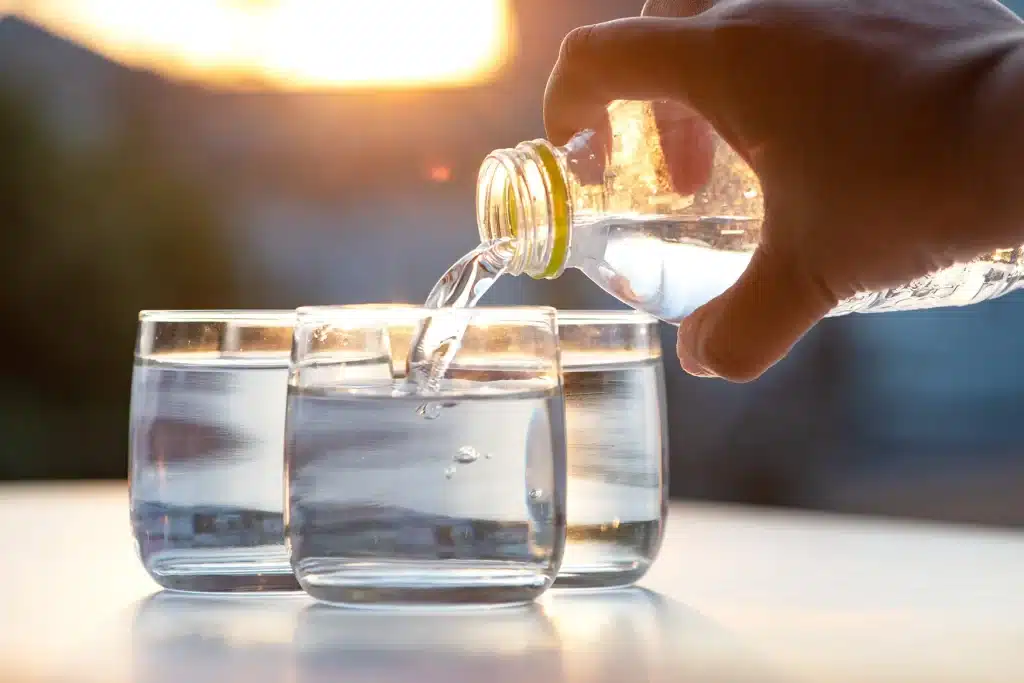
615 636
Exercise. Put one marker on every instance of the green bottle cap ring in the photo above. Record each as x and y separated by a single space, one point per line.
559 213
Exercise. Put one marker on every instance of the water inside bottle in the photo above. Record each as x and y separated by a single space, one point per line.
669 266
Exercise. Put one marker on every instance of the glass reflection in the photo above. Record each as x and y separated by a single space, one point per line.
197 638
638 635
567 636
514 645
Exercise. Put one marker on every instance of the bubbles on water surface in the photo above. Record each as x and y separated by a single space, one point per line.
429 411
466 455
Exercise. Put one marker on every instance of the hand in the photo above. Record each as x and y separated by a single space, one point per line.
886 136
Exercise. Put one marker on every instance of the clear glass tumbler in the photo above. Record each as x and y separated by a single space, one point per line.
207 446
402 494
617 446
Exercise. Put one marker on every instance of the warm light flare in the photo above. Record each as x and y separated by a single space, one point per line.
292 43
440 174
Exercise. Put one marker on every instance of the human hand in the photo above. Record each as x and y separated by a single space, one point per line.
885 135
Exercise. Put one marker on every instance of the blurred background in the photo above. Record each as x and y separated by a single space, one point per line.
273 153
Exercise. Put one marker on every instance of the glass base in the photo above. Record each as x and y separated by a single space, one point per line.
223 570
427 584
601 576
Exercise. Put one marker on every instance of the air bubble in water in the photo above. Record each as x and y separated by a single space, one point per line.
466 455
449 472
429 411
535 494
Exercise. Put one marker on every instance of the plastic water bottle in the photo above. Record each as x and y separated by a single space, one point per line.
666 238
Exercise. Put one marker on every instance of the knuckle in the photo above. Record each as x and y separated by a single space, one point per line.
576 44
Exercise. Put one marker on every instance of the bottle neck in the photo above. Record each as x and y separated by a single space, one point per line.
522 196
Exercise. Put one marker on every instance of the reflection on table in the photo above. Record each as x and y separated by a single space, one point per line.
631 634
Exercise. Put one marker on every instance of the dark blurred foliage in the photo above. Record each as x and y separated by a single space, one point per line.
89 238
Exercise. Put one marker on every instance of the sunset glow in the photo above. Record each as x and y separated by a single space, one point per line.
291 43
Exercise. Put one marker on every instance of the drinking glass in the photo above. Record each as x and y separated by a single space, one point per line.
450 492
206 449
617 446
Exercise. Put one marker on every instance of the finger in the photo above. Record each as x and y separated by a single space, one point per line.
688 145
753 325
643 58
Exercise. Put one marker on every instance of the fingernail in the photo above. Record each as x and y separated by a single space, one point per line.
685 349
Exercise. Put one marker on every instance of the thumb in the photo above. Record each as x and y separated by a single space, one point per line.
642 58
752 325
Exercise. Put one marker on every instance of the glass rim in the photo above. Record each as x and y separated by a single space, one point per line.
401 312
214 315
580 317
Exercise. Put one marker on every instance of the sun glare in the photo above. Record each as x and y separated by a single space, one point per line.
292 43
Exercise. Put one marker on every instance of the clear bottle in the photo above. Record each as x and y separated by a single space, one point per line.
666 238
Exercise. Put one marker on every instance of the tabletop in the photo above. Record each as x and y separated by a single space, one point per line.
737 594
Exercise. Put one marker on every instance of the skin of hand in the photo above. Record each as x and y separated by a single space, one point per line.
887 137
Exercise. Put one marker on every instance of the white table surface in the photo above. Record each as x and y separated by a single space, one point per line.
737 595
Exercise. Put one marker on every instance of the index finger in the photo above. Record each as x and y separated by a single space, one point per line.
642 58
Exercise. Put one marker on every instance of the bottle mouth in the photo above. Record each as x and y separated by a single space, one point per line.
496 202
522 196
